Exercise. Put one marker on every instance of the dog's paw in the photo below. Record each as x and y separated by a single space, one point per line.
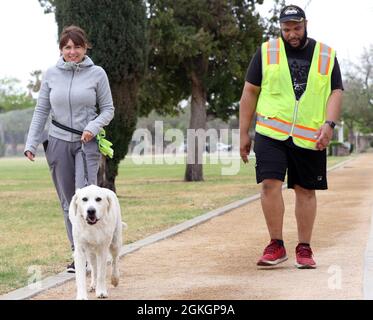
102 294
114 281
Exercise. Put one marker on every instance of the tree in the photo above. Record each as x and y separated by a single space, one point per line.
48 5
34 84
12 97
14 126
272 24
199 49
117 32
357 111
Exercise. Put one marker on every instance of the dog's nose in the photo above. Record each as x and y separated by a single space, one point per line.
91 212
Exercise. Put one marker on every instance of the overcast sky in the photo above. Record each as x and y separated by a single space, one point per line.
29 37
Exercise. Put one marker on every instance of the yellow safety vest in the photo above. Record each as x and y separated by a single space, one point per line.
279 114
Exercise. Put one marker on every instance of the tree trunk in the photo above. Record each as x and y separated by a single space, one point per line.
194 168
102 179
14 146
120 130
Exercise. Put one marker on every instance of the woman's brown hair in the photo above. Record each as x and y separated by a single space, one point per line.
76 34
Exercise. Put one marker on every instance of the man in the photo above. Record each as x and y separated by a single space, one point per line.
294 85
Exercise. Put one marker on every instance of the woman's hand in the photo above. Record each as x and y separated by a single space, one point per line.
86 136
30 155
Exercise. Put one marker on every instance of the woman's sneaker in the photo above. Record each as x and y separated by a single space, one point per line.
71 268
273 254
304 257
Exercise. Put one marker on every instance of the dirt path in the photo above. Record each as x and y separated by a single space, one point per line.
217 260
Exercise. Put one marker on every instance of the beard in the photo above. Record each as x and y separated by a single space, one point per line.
301 43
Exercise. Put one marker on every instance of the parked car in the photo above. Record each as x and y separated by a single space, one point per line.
183 147
223 147
220 146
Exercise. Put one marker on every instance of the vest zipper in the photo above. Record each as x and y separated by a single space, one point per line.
294 116
71 110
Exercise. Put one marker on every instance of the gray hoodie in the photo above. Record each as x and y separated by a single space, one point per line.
70 93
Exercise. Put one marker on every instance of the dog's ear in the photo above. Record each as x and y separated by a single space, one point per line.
109 198
73 205
112 201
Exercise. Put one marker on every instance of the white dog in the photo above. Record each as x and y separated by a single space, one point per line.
97 228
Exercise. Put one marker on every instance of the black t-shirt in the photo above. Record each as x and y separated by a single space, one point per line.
299 65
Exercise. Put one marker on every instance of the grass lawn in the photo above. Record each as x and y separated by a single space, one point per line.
153 197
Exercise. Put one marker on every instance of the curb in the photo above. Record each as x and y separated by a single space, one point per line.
63 277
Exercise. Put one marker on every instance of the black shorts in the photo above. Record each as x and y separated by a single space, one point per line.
306 168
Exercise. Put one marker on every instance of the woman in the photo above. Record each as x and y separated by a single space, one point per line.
70 92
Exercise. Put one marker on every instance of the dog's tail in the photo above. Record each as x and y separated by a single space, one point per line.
124 225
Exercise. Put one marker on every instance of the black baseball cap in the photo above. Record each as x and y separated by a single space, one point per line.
292 13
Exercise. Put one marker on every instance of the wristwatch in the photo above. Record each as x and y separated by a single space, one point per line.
330 123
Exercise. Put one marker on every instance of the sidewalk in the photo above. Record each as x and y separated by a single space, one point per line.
217 259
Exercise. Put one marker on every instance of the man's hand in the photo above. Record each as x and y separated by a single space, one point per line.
325 133
245 146
323 136
86 136
30 155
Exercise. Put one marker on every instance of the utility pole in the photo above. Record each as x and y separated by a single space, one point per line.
357 141
340 132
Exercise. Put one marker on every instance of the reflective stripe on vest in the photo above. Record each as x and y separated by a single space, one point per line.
273 51
274 124
324 59
282 126
273 55
304 133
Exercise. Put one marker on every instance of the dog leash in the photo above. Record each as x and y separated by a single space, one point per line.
85 166
104 145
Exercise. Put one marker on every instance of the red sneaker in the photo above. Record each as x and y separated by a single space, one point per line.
273 254
304 257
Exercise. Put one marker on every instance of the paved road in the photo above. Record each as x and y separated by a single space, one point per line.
217 259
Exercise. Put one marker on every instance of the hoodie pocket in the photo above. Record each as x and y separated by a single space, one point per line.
91 113
81 120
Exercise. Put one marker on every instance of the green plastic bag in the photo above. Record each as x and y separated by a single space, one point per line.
104 145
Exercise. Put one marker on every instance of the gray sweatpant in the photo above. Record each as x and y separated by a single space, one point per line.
67 169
